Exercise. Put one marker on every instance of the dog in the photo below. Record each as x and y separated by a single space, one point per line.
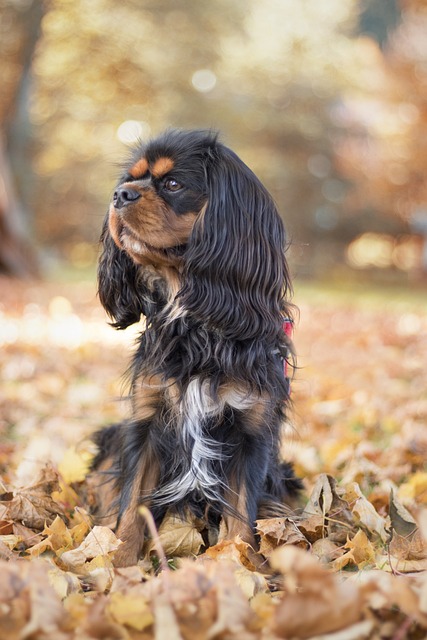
193 243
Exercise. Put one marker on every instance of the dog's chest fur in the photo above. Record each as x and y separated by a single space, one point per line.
182 389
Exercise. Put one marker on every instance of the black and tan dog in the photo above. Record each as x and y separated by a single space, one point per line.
194 243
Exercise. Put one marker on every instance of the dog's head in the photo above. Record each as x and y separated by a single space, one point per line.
159 198
188 204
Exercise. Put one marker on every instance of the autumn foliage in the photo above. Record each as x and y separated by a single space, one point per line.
348 563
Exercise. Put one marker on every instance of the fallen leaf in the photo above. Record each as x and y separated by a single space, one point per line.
364 512
33 506
326 550
274 532
325 502
5 552
312 527
99 542
360 553
401 520
315 601
415 489
10 541
130 610
236 551
29 606
179 537
74 465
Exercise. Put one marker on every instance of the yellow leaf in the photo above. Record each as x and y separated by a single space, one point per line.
179 537
415 489
364 511
130 610
76 606
10 540
58 539
64 582
360 552
79 531
250 582
74 466
100 541
66 496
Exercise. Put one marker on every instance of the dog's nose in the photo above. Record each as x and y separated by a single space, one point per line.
124 196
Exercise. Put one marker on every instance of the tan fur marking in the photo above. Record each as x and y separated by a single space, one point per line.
139 169
173 281
114 225
161 167
132 526
147 396
236 498
102 494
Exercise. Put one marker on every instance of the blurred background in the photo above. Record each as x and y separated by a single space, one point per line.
326 101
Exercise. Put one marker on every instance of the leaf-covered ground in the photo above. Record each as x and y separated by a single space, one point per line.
349 563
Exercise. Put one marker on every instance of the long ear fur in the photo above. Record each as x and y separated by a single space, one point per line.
119 290
236 276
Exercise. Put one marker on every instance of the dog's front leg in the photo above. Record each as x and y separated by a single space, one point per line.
140 478
245 482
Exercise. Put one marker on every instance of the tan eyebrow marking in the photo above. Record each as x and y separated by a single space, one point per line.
162 166
139 169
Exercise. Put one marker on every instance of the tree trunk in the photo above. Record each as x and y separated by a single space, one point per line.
17 254
17 257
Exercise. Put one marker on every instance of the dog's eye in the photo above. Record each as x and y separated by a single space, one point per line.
172 185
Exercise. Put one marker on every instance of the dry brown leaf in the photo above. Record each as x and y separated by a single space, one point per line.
322 497
33 506
100 541
364 512
127 579
250 582
5 552
235 616
312 527
64 582
326 550
11 542
97 622
236 551
76 606
402 521
358 631
165 622
58 538
360 553
26 535
6 526
410 596
178 537
411 547
325 503
315 601
263 606
29 606
274 532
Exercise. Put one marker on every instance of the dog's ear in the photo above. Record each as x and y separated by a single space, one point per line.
119 289
236 277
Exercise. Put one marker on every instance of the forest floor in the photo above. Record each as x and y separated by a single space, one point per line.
350 562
